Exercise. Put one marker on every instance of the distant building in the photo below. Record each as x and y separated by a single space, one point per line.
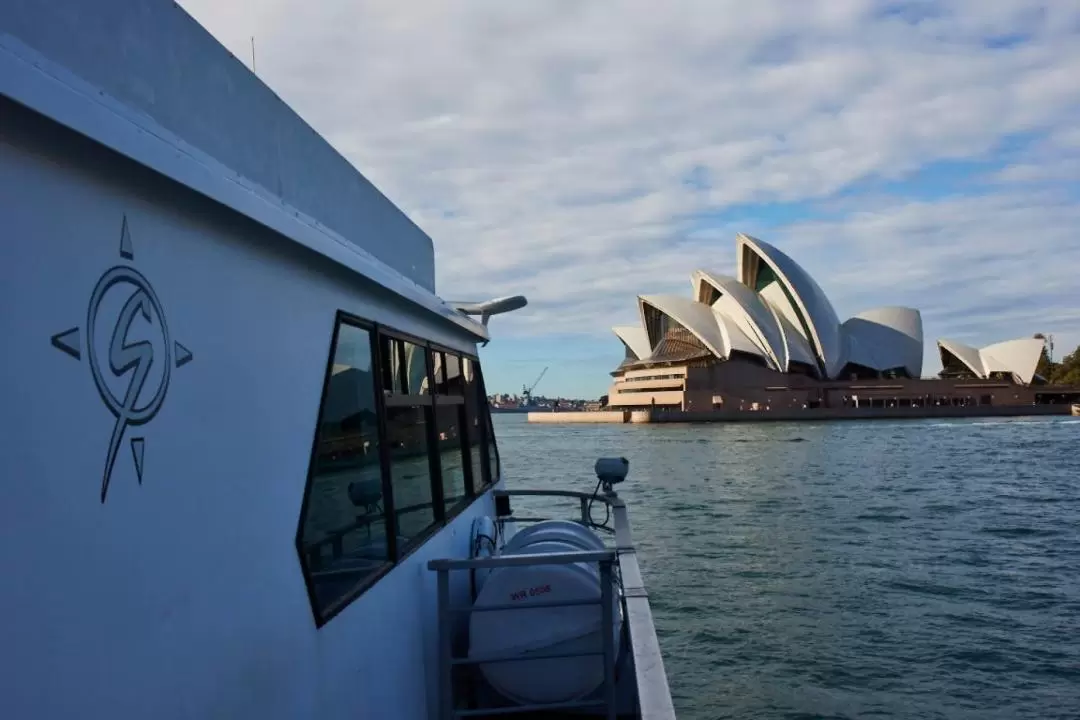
1010 360
769 337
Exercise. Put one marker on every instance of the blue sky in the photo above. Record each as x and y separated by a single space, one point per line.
921 152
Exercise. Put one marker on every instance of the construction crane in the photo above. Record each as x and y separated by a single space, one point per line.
527 391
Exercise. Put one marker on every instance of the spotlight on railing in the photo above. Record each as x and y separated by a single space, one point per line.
611 471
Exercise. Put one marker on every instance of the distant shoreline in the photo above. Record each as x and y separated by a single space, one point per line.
798 415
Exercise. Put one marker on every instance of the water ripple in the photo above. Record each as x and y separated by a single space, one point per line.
848 570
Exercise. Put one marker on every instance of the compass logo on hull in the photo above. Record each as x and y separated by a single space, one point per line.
130 374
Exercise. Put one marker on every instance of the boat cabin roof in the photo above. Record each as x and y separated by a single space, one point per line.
168 95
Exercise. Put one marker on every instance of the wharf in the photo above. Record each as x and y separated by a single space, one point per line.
590 416
799 414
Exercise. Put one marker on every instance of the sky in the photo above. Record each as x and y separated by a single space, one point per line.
922 153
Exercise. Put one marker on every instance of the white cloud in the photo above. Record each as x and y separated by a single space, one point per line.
548 147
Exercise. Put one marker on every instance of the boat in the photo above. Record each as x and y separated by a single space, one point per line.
249 466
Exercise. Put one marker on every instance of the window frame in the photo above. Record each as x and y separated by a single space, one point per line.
324 615
487 433
488 475
477 480
442 399
426 401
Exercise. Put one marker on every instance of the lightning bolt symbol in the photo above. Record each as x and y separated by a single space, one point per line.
122 358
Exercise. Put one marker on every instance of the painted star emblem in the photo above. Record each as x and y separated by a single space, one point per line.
124 359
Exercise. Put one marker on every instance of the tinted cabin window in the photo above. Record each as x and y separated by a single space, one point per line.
403 443
493 450
450 428
438 360
451 459
410 471
455 381
343 535
404 367
408 421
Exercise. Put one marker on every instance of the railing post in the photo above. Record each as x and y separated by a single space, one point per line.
607 620
446 650
584 511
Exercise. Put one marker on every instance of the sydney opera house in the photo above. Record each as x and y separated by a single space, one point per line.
769 337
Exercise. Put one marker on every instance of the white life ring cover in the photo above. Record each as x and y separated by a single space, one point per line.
573 533
515 630
522 630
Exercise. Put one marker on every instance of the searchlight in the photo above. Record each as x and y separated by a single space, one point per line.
487 308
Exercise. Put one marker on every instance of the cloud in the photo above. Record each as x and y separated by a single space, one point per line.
583 153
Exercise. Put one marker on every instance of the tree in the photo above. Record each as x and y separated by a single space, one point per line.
1067 372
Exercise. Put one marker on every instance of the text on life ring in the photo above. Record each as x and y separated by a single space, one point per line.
530 592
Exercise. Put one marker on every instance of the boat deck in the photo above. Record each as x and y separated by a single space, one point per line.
652 695
554 715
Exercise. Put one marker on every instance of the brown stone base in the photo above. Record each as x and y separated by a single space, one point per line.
865 413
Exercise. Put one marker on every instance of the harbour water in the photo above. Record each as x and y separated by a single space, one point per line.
907 569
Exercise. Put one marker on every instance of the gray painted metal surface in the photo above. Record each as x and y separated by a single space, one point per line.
151 56
258 311
35 81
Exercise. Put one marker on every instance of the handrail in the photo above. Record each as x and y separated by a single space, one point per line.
654 693
554 493
487 563
585 498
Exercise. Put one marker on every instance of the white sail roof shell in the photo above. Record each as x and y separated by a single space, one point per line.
636 338
790 320
886 338
1019 357
809 299
966 354
745 308
718 333
735 338
796 346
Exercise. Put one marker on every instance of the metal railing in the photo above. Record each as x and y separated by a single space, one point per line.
447 661
651 686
